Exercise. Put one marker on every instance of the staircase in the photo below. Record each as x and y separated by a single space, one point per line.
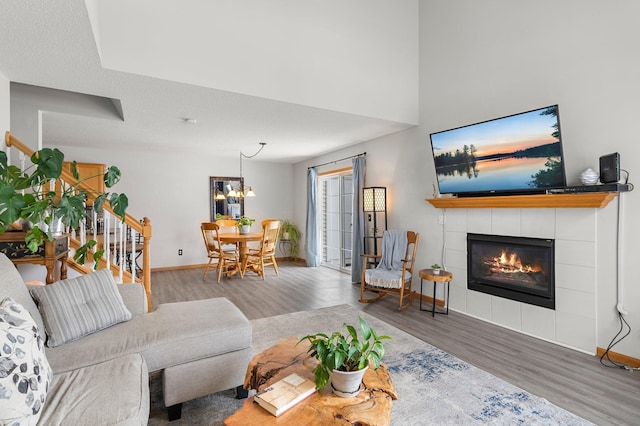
125 244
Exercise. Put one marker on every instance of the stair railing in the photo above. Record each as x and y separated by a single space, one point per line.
123 242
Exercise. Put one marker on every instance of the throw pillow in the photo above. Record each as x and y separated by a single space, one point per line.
25 374
80 306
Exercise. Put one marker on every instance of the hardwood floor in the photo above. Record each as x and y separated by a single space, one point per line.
572 380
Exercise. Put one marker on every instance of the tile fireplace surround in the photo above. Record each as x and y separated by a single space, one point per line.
585 246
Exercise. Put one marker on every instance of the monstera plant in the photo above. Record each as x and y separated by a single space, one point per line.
39 196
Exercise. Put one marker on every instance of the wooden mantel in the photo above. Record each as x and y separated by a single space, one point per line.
552 201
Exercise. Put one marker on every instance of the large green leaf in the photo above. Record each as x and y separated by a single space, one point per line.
49 162
112 176
119 204
34 238
366 330
11 205
71 209
74 171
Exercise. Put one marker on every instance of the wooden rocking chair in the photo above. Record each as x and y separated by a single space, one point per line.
394 272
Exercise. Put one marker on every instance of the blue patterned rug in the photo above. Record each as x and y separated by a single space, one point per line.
434 388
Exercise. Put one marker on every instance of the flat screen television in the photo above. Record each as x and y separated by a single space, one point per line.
516 154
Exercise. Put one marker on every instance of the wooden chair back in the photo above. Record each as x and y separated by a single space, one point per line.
270 232
227 260
265 254
412 247
211 238
227 225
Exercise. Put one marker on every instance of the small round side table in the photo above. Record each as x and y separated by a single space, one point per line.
444 277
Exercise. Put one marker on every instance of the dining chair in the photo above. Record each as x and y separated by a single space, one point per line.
226 259
265 253
395 268
228 225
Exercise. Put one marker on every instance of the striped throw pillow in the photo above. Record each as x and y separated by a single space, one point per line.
74 308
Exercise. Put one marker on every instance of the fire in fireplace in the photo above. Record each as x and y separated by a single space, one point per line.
516 268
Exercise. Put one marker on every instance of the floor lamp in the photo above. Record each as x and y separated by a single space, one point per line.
374 201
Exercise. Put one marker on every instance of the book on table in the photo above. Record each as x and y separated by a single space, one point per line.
284 394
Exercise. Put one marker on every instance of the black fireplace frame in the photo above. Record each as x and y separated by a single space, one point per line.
546 300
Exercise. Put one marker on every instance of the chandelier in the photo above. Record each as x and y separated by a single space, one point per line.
239 192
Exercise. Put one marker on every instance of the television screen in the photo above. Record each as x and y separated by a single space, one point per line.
517 154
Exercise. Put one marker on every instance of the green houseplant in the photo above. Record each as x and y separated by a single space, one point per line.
340 352
28 196
244 224
436 268
290 232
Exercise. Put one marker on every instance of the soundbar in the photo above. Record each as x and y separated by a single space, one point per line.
605 187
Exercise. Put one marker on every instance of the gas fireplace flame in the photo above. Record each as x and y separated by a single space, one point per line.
509 263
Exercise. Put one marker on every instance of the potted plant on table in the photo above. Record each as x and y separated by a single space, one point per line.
290 232
244 224
436 269
345 358
32 198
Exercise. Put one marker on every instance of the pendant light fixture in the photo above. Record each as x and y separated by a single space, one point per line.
239 193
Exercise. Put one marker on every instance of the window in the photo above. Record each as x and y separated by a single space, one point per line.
335 209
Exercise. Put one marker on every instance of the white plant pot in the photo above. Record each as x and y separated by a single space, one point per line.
436 272
244 229
56 227
285 236
346 384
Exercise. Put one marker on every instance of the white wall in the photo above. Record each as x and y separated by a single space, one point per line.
5 106
172 190
358 56
28 102
482 60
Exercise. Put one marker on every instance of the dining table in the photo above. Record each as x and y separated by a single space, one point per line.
243 248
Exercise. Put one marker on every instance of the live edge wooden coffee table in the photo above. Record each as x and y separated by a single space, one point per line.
371 407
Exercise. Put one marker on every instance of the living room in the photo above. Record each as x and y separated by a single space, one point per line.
476 61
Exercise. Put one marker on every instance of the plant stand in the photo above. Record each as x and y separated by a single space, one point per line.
285 249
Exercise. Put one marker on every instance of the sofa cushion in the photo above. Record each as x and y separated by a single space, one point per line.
12 285
173 334
25 374
109 393
74 308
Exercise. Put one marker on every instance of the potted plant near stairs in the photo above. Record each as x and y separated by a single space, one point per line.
29 196
290 232
344 358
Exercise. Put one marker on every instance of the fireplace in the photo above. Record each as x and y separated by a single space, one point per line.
516 268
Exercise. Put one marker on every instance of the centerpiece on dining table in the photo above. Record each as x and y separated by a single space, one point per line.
244 225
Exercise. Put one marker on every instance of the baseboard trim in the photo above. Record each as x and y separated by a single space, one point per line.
620 358
177 268
417 295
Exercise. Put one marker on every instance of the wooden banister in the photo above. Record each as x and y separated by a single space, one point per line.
140 227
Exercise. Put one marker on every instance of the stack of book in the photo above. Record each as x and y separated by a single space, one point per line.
284 394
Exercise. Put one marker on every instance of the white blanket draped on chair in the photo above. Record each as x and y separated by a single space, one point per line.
388 273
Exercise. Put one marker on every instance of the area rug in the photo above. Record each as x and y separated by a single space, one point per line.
434 388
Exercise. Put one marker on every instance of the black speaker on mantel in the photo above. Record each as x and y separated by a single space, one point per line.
610 168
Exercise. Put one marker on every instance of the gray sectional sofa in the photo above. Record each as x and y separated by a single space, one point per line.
201 347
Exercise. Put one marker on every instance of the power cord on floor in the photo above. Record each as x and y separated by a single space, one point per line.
616 339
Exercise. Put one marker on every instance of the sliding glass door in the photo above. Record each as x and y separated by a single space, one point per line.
336 205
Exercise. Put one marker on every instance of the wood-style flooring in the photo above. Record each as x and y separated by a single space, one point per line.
572 380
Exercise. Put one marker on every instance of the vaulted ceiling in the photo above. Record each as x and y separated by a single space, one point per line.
306 77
